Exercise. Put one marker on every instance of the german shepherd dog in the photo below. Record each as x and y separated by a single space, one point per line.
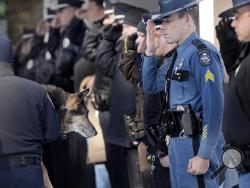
72 111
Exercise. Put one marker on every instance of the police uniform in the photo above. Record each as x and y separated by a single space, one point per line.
196 80
28 120
236 120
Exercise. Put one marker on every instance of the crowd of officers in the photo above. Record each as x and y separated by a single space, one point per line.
158 88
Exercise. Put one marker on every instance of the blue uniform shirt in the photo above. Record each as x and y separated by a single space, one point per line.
202 90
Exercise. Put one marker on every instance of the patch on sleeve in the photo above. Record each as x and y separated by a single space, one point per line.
205 57
209 76
204 133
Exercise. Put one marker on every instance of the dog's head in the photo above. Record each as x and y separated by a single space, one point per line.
72 111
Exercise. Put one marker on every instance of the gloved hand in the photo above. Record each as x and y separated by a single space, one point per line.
113 33
225 32
130 43
230 46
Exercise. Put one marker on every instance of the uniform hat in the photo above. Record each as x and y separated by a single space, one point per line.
121 9
6 55
108 8
66 3
50 14
236 4
168 7
28 33
134 15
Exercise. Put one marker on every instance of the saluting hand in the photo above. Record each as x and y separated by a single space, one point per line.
152 40
198 165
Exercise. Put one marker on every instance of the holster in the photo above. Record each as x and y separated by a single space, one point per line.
181 120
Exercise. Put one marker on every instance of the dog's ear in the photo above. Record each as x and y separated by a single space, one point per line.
83 94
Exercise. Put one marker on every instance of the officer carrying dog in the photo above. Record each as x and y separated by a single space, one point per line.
27 120
236 120
194 96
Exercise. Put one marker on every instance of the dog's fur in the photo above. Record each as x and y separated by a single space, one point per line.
72 111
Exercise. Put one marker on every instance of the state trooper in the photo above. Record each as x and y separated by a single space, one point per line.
194 96
236 120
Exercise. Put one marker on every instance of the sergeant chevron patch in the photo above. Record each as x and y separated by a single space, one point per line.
209 76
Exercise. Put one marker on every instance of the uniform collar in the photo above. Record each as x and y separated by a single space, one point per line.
187 42
6 69
245 51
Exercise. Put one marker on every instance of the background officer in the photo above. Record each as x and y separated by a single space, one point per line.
237 101
27 121
196 81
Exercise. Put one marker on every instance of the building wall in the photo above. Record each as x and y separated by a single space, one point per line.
22 14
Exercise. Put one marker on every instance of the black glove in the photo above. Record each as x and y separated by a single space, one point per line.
230 46
225 32
113 33
130 44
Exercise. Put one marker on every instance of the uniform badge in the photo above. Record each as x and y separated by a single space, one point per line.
48 55
66 42
205 58
180 65
30 64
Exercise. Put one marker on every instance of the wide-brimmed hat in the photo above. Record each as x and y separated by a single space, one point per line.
168 7
236 4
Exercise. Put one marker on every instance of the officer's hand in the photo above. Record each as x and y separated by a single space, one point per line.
198 165
153 39
55 23
225 32
113 33
164 161
80 13
141 46
41 28
130 43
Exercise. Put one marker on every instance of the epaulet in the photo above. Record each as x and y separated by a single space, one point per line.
204 53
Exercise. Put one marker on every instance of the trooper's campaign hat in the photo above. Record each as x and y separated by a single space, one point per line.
236 4
168 7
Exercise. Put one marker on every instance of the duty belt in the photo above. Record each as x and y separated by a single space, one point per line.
182 122
19 161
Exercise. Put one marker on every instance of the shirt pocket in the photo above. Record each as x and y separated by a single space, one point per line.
178 90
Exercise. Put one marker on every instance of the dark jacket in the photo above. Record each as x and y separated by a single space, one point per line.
92 40
236 122
28 118
122 93
66 54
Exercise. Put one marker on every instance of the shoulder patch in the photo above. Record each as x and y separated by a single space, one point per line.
203 52
205 57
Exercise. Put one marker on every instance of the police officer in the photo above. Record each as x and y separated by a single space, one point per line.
194 97
28 120
237 112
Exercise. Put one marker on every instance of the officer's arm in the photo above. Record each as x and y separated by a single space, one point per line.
50 122
106 57
210 78
153 80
